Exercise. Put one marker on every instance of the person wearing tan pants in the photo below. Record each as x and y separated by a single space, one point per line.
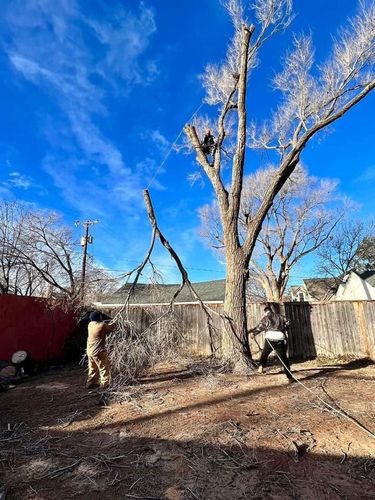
99 369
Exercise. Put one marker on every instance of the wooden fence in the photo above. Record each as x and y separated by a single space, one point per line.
316 329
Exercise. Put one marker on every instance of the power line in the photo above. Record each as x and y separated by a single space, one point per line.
165 266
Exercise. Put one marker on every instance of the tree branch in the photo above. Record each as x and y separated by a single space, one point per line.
184 275
211 173
239 158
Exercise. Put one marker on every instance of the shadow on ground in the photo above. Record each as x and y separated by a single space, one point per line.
56 442
97 467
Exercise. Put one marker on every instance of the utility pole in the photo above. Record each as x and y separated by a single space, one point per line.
85 241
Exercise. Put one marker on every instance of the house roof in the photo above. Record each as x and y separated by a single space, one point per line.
368 276
321 288
295 288
208 291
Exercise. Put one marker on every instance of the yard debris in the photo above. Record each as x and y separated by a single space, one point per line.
345 454
221 457
152 459
132 352
65 422
234 431
300 441
180 441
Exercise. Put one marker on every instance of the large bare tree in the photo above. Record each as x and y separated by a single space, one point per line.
313 96
47 246
351 246
99 282
15 277
39 256
301 218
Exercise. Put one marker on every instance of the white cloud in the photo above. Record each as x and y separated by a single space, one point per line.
150 170
5 192
368 175
125 37
96 195
83 195
160 141
20 181
74 58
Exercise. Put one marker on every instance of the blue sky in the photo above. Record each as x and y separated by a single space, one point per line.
94 92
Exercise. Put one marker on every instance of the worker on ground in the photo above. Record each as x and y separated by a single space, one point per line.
98 362
274 325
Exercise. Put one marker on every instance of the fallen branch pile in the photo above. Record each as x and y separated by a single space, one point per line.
132 352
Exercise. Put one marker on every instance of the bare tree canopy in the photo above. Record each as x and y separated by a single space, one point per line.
313 96
301 219
352 246
16 277
39 255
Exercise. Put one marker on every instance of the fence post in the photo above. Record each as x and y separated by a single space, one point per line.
362 328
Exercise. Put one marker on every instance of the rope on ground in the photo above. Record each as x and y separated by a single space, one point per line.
172 147
332 408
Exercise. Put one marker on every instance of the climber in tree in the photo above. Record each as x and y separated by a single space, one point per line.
208 143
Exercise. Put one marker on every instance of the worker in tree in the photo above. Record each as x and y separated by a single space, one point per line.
208 143
98 362
275 327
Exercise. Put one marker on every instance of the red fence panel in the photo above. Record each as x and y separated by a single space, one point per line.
28 323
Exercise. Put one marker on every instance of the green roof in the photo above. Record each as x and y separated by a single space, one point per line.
208 291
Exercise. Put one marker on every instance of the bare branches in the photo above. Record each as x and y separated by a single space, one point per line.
132 350
313 97
211 173
301 218
15 277
41 250
211 229
272 16
39 256
273 12
350 247
184 275
138 270
353 56
221 128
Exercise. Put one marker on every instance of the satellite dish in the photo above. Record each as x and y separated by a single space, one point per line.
19 357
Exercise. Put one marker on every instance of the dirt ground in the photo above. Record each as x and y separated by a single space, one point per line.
187 432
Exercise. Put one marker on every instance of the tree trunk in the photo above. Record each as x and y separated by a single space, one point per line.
276 294
271 288
236 345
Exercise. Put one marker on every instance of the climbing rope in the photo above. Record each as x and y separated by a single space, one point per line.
172 147
332 408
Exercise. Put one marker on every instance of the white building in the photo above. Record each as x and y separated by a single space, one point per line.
314 290
357 286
